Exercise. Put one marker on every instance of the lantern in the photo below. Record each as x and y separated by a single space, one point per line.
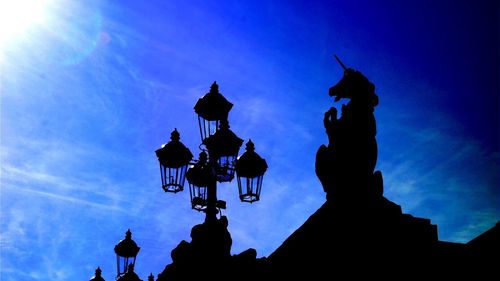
211 109
224 146
250 169
97 276
174 158
126 252
199 177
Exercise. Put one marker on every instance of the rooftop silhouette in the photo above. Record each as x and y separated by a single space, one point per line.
357 232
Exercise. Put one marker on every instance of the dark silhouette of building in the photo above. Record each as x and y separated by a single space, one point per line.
356 233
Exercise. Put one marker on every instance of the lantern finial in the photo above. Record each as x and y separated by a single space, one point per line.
175 136
250 146
97 276
214 88
128 234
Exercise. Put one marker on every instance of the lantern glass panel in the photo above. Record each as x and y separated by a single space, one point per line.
249 188
122 264
207 127
172 179
198 197
225 168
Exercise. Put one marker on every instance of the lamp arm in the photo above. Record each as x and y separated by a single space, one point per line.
202 149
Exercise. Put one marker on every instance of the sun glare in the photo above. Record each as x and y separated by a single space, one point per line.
17 16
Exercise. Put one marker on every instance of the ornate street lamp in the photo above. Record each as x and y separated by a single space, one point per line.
174 158
97 276
250 169
211 109
219 165
224 146
126 252
199 177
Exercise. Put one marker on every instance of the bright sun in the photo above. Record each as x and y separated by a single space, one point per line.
17 16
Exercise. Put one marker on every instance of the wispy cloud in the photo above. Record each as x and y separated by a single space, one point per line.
55 196
446 177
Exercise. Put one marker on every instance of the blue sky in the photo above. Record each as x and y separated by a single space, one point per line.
89 90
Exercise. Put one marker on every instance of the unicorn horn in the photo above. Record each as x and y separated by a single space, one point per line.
340 62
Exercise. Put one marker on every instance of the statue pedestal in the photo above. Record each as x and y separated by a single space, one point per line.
208 257
338 238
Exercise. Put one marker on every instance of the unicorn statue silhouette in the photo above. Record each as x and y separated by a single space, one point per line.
346 166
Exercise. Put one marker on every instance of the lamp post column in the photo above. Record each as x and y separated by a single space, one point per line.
211 210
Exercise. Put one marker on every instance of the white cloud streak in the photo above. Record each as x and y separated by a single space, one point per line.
446 177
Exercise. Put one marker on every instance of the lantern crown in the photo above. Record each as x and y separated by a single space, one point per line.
174 154
175 136
250 164
213 105
214 88
97 276
127 247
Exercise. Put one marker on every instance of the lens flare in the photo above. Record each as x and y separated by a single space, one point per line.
16 17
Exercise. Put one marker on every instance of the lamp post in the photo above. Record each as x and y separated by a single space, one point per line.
218 162
126 252
219 165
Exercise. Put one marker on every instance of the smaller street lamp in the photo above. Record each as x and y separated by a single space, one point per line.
250 169
174 158
126 252
211 109
97 276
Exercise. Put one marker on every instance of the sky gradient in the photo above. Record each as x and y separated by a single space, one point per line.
90 89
